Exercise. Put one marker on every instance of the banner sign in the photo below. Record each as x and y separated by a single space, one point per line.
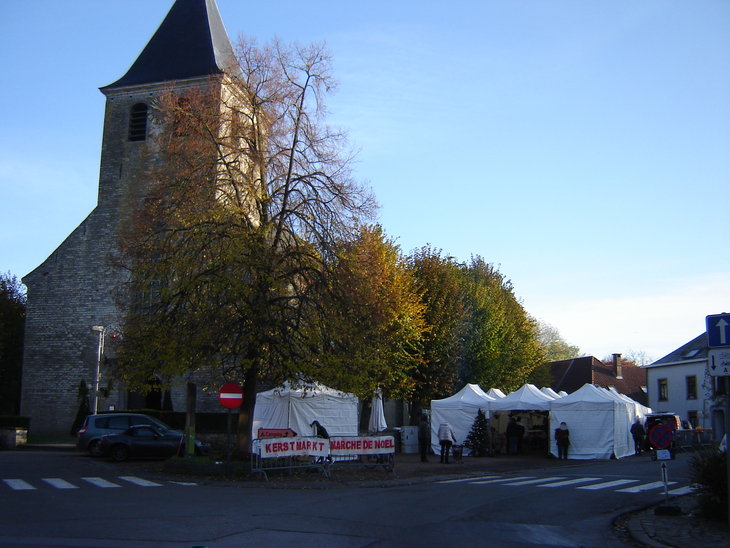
294 447
370 445
318 447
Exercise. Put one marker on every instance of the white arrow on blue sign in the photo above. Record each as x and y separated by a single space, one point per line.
718 330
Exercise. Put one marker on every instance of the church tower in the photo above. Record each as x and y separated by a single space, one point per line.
73 290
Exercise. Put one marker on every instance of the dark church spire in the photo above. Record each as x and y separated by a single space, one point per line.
191 42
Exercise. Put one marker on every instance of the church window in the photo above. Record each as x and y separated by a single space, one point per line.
138 122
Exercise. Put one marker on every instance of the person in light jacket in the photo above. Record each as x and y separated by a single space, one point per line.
446 440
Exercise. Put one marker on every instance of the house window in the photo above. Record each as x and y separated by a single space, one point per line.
692 388
138 122
663 390
692 418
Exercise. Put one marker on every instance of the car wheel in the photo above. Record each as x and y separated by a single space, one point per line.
95 448
119 453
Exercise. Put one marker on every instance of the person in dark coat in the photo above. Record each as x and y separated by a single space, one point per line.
638 433
424 438
321 431
513 433
562 439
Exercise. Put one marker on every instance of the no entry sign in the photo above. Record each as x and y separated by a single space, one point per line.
230 395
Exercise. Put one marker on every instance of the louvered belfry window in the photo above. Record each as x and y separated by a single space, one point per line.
138 122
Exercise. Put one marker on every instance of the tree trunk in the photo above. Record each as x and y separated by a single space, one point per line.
245 415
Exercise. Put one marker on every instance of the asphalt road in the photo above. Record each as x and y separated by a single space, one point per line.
68 499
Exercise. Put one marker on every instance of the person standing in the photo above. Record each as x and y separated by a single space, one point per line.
424 437
446 440
562 438
512 433
638 433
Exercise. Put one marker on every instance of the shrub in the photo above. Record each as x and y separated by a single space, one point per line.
478 439
709 471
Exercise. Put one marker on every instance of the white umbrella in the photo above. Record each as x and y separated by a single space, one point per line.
377 416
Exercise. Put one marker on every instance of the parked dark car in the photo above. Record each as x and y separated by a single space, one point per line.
146 442
96 426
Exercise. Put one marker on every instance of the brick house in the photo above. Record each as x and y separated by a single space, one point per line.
570 375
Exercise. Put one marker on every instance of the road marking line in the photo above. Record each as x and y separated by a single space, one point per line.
682 490
646 487
607 484
139 481
533 481
99 482
501 480
569 482
19 485
463 480
59 483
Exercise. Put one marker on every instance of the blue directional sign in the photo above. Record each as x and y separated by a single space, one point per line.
718 330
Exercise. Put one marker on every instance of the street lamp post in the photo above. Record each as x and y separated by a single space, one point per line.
97 376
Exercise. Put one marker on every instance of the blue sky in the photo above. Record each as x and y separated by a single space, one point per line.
581 146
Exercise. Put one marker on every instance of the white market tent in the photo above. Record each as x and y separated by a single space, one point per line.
527 398
599 424
640 410
459 411
296 408
495 393
550 392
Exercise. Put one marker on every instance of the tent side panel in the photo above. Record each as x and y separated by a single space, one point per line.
591 429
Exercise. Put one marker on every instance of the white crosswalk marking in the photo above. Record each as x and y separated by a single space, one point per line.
100 482
682 490
534 481
18 485
560 481
568 482
500 480
464 480
59 483
139 481
646 487
607 484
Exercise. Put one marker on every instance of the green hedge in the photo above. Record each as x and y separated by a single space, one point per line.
13 421
709 470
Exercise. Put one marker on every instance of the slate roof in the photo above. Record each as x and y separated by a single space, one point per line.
570 375
694 350
191 42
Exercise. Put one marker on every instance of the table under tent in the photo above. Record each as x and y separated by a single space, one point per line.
297 408
460 411
529 407
599 422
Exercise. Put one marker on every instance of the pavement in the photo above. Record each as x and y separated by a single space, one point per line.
648 526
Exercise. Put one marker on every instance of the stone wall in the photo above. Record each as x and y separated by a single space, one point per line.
78 286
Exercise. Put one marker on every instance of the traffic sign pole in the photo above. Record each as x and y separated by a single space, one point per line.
718 358
231 396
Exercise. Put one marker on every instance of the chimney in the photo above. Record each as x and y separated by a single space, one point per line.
617 366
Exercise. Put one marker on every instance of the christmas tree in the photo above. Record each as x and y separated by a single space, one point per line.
478 439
